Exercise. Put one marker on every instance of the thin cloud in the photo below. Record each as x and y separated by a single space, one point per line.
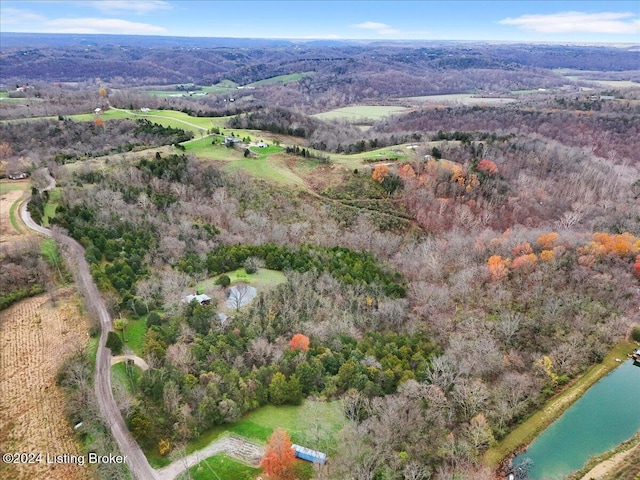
380 28
102 25
139 7
578 22
14 16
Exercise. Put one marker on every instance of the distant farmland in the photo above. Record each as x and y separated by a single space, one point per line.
361 113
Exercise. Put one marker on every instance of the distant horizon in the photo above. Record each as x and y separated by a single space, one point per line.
330 40
578 21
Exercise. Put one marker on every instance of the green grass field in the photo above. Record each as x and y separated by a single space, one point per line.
55 196
127 376
282 79
224 86
265 278
271 168
13 185
221 467
361 113
4 97
313 424
167 118
49 251
534 425
134 334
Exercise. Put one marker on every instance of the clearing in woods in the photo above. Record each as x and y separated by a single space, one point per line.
361 113
35 338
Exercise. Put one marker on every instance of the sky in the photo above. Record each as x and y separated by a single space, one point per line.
531 20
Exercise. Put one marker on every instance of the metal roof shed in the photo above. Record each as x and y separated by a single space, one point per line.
310 455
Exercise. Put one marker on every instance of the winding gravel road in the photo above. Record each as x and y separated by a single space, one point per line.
135 458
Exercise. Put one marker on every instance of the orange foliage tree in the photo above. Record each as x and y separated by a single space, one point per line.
98 122
380 173
497 267
621 245
299 342
546 255
406 171
636 267
279 458
548 240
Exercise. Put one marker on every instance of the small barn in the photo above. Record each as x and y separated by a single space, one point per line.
201 299
309 455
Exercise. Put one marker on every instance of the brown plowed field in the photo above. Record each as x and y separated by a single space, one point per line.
35 338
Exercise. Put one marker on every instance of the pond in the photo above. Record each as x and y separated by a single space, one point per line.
606 415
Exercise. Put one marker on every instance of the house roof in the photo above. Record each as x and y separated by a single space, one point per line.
198 298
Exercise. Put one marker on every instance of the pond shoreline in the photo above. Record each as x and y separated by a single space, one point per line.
522 436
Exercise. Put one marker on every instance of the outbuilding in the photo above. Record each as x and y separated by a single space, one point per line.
309 455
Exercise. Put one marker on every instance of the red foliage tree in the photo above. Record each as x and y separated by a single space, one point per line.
279 458
299 342
487 166
636 266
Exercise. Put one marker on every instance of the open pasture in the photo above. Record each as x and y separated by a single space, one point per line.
281 79
224 86
361 113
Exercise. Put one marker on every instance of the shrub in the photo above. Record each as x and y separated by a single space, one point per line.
635 334
114 343
223 280
153 319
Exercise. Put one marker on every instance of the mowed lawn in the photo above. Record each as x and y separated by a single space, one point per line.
126 376
361 113
264 279
313 424
134 334
222 467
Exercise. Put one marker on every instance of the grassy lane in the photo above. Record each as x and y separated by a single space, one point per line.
15 222
531 428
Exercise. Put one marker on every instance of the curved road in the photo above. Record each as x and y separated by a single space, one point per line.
135 458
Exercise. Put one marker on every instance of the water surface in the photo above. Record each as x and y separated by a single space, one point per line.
606 415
